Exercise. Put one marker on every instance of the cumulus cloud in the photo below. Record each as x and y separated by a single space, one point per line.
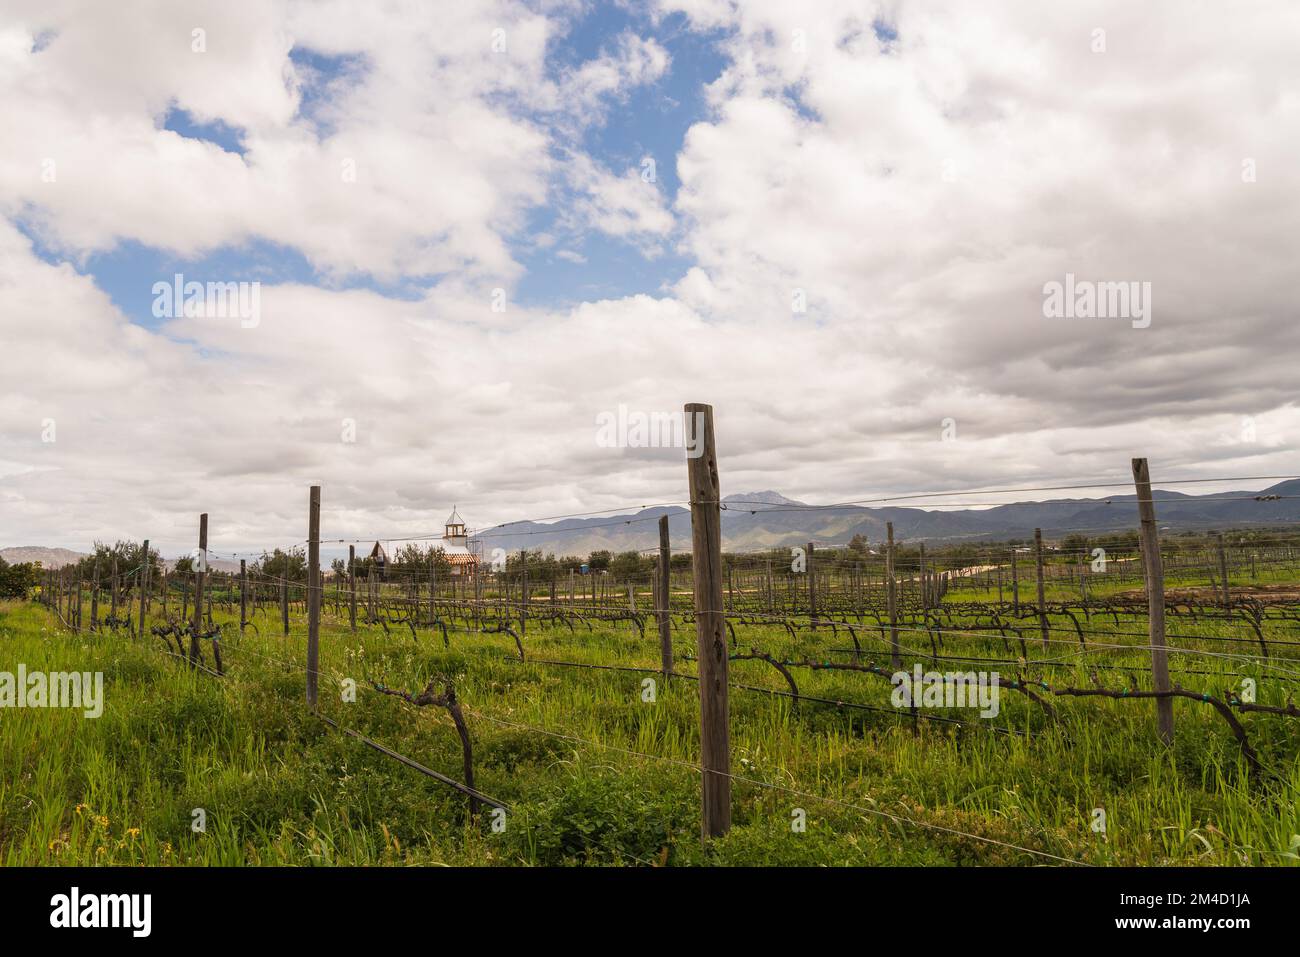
869 209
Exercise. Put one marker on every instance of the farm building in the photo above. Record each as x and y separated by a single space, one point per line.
380 558
455 546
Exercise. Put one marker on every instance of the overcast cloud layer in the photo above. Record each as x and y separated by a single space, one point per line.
914 172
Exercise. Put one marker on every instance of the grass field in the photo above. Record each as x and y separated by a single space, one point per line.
594 774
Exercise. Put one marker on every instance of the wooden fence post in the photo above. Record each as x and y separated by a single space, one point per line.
198 567
921 580
284 603
145 582
1015 582
1155 577
352 586
94 599
112 593
1223 573
891 598
812 587
243 594
1042 605
665 623
313 593
710 621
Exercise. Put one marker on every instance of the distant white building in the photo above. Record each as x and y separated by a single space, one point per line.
455 546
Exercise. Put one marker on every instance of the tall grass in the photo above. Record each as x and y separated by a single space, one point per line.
595 774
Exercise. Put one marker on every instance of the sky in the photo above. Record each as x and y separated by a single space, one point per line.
467 231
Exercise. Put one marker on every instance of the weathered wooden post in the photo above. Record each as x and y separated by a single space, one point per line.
662 606
1223 573
94 599
145 581
1155 582
313 593
352 586
1015 582
284 602
243 594
891 597
812 587
523 592
112 586
710 621
921 578
1042 604
199 566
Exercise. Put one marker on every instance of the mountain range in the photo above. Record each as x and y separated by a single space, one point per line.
753 521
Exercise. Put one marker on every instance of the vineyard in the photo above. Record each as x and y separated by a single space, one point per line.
526 712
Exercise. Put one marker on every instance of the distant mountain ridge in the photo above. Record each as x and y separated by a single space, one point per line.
753 521
48 557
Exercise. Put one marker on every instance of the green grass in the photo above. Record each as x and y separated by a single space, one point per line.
595 775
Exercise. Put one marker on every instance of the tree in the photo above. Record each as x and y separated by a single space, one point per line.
290 565
628 565
599 560
130 559
17 581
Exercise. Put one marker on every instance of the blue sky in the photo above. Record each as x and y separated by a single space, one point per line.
650 121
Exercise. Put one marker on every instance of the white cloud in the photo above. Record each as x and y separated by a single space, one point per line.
918 197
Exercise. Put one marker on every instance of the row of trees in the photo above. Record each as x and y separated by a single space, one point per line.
17 580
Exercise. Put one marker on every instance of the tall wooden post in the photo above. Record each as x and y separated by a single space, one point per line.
812 587
661 610
1155 578
1015 582
921 580
145 568
199 567
433 585
1042 604
1223 573
352 586
710 621
94 599
891 597
112 591
313 593
523 592
243 594
284 603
